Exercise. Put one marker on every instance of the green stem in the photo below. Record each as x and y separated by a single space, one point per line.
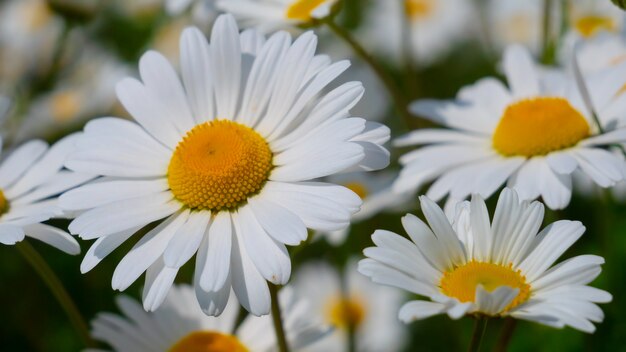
477 336
505 336
409 53
281 338
400 101
546 42
56 287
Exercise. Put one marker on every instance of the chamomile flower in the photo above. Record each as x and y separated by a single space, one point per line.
375 191
226 160
498 269
589 18
31 178
532 135
351 300
179 326
515 22
270 15
436 26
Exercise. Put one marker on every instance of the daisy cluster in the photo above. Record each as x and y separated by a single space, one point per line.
237 163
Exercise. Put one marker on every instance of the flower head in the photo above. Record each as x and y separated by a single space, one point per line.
179 326
225 162
532 135
498 268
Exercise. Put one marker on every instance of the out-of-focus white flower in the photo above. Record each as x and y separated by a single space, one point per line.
203 12
271 15
377 195
514 22
86 89
351 300
589 18
31 178
435 25
179 326
29 31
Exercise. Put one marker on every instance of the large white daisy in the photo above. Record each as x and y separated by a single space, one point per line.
270 15
179 326
532 135
351 299
227 160
500 268
31 178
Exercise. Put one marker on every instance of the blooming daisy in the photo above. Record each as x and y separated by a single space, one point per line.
270 15
533 134
590 17
374 189
179 326
226 161
351 300
31 177
435 25
499 269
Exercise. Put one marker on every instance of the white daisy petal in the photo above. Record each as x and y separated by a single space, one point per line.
418 310
195 66
212 302
520 73
103 247
492 303
186 241
280 223
579 270
216 268
102 193
159 280
10 234
249 286
20 160
226 66
441 227
53 236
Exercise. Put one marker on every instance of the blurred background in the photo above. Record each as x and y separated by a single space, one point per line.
60 61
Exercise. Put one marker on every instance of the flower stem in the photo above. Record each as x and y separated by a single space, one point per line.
505 336
546 37
400 101
56 287
477 336
281 338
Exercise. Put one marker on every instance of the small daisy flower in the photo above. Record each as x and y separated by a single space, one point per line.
226 160
351 300
498 269
270 15
515 22
589 18
532 135
31 178
436 25
375 191
179 326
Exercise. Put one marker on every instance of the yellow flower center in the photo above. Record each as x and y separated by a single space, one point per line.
461 282
302 9
539 126
357 187
4 204
416 9
219 165
588 26
65 106
345 312
208 341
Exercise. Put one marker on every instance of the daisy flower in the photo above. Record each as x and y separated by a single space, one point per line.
499 269
436 25
31 178
270 15
374 189
351 300
515 22
226 160
179 326
532 135
590 17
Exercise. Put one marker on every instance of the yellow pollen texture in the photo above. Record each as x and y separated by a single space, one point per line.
219 165
302 9
589 26
461 282
208 341
539 126
345 312
357 187
4 204
419 8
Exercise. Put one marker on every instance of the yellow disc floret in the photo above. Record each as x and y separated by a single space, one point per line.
4 204
302 9
417 9
461 282
357 187
208 341
345 312
589 26
219 165
539 126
